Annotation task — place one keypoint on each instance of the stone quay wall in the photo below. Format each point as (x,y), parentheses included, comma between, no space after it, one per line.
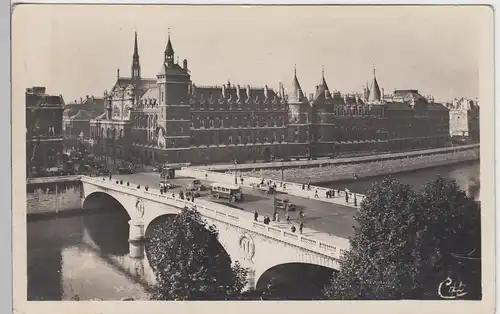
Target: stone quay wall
(53,195)
(363,167)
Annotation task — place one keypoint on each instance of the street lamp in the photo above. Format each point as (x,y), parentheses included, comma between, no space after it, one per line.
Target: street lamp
(235,172)
(282,171)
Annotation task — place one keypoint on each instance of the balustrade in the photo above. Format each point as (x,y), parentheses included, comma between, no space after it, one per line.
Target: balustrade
(220,212)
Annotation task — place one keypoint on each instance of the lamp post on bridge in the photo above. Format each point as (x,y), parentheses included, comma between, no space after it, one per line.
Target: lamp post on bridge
(235,172)
(282,171)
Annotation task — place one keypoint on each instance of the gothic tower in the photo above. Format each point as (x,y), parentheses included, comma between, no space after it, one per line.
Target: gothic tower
(173,84)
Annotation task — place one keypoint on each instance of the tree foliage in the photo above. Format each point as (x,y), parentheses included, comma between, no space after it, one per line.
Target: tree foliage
(189,262)
(404,243)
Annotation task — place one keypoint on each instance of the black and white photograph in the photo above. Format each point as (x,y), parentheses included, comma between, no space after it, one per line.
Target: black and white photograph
(253,153)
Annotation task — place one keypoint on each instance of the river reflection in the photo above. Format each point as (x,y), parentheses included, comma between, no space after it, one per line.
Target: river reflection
(64,262)
(87,256)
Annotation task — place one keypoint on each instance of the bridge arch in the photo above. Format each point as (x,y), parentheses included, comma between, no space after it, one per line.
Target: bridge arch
(294,281)
(107,223)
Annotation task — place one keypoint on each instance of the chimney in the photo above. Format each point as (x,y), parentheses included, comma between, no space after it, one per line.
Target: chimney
(223,91)
(87,96)
(238,97)
(185,64)
(81,99)
(265,91)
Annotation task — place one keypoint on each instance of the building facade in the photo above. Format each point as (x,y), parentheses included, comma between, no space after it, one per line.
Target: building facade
(76,120)
(44,138)
(464,120)
(169,119)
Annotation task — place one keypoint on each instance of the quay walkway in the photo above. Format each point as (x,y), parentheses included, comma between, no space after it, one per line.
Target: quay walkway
(337,161)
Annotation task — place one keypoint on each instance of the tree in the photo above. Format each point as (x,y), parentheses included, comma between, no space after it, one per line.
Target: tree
(189,262)
(405,241)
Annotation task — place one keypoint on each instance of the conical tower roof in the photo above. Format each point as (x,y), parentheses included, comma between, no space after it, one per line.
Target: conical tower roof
(298,94)
(323,86)
(375,94)
(169,50)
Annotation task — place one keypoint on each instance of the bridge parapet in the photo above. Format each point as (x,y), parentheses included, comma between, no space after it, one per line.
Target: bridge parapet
(230,216)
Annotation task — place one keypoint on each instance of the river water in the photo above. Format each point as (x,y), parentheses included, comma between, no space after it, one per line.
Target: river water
(82,256)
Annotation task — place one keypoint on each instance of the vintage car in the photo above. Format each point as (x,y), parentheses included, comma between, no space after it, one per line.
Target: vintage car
(283,204)
(196,185)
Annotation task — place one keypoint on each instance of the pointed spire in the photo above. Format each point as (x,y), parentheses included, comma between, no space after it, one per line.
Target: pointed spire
(169,51)
(136,66)
(323,80)
(375,94)
(136,49)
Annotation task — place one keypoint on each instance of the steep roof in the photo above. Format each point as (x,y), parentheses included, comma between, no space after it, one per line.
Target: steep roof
(82,114)
(374,94)
(43,100)
(297,95)
(205,92)
(169,50)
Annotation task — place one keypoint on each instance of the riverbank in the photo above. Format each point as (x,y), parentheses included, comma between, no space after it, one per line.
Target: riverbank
(328,171)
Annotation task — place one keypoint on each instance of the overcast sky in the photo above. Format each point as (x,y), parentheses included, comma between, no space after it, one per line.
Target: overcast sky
(75,50)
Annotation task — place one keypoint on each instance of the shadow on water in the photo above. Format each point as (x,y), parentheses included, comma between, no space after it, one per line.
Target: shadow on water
(109,230)
(49,239)
(294,281)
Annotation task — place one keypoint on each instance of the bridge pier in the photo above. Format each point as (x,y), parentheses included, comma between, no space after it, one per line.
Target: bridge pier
(136,239)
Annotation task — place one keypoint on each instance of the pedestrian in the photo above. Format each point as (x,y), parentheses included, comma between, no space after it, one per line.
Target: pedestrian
(206,176)
(301,214)
(303,186)
(128,183)
(284,186)
(255,215)
(327,194)
(110,177)
(193,198)
(333,193)
(309,186)
(346,197)
(287,218)
(241,180)
(276,217)
(316,193)
(301,227)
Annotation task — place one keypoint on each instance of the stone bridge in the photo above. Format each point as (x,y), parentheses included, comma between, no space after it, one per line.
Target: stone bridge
(256,246)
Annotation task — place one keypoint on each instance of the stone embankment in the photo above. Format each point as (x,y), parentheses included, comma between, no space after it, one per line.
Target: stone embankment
(341,171)
(53,195)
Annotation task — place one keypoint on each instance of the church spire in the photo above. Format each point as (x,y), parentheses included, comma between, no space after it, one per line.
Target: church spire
(136,65)
(375,94)
(169,51)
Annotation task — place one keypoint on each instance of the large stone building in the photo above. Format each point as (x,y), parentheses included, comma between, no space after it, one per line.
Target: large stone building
(44,139)
(464,120)
(171,119)
(76,119)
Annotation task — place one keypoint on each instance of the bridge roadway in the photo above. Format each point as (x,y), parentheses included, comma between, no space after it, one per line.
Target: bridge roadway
(321,218)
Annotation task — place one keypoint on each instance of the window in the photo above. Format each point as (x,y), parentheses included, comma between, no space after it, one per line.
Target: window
(182,130)
(230,140)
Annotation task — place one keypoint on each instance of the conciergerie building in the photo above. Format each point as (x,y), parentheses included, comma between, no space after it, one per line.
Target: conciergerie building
(169,119)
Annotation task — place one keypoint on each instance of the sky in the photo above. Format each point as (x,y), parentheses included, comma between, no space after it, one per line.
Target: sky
(76,50)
